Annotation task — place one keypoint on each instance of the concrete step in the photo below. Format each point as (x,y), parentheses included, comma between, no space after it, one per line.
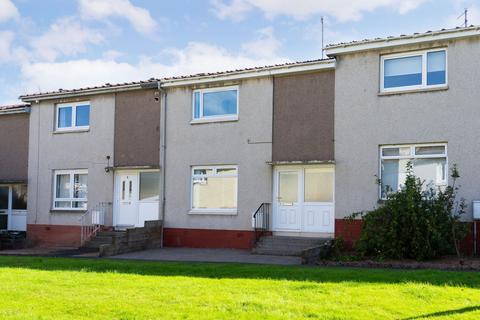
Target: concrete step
(277,252)
(286,246)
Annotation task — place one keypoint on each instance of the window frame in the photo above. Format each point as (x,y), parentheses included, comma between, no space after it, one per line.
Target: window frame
(72,174)
(421,86)
(225,211)
(412,156)
(74,106)
(227,117)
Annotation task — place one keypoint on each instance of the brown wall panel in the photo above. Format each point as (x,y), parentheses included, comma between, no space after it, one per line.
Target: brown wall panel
(303,117)
(14,147)
(137,129)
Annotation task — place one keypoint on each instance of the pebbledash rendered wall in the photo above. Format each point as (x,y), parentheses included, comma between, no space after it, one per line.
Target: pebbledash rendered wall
(220,143)
(364,119)
(49,151)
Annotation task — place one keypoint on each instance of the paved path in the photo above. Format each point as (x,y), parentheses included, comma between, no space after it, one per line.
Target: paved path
(208,255)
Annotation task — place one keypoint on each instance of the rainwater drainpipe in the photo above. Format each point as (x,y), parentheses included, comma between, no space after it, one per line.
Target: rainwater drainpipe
(163,151)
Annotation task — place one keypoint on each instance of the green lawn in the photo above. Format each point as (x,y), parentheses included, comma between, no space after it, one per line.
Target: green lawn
(57,288)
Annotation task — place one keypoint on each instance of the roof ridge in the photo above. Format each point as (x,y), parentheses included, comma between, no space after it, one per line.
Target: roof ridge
(401,36)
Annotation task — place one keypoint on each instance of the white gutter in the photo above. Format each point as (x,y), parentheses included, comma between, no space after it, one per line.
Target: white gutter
(87,92)
(15,111)
(335,50)
(247,74)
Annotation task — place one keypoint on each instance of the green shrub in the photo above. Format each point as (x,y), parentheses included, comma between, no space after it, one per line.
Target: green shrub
(414,223)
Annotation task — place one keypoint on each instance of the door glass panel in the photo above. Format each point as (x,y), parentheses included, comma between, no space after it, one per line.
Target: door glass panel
(123,190)
(318,185)
(150,186)
(288,186)
(19,197)
(130,187)
(3,198)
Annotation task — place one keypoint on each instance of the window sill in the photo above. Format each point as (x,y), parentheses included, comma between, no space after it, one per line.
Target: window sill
(212,120)
(71,131)
(214,212)
(67,211)
(391,93)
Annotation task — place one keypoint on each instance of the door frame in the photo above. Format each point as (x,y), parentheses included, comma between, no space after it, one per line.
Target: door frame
(300,168)
(117,192)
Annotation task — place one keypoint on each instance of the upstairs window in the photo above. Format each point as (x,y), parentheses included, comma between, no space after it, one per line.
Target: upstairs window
(215,104)
(429,164)
(73,116)
(419,70)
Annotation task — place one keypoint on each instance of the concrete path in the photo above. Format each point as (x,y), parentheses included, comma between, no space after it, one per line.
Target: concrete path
(208,255)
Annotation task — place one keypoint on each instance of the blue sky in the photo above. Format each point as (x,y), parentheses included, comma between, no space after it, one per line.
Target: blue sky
(51,44)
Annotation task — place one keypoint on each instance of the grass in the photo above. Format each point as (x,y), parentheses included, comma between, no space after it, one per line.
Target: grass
(58,288)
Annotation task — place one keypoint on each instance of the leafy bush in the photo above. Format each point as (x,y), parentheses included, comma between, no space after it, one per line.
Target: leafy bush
(414,223)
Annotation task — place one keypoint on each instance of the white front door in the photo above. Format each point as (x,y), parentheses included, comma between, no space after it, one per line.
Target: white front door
(127,200)
(287,204)
(136,198)
(304,199)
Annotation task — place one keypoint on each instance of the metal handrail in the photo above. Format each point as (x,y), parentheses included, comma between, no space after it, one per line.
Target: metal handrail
(261,220)
(92,221)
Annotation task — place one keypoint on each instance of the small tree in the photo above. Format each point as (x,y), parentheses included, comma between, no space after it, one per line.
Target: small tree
(414,222)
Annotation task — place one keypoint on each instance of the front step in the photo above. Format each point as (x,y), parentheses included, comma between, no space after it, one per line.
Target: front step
(109,243)
(105,237)
(286,246)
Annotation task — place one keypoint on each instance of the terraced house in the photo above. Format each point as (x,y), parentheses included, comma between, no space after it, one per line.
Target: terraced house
(285,151)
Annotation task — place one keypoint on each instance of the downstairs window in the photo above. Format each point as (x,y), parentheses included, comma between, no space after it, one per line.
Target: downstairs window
(214,188)
(429,164)
(70,190)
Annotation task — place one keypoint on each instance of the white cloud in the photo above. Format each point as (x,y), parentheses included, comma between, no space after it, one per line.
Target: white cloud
(196,57)
(6,39)
(66,36)
(235,10)
(343,10)
(265,46)
(139,18)
(8,10)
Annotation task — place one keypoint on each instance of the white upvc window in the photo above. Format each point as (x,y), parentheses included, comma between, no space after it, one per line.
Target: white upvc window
(72,116)
(70,190)
(215,104)
(429,161)
(413,70)
(214,189)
